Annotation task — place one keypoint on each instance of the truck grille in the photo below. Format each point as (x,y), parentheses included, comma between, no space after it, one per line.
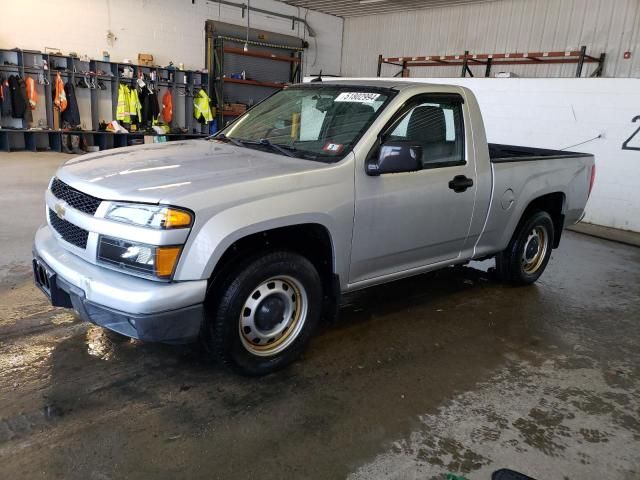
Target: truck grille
(68,231)
(78,200)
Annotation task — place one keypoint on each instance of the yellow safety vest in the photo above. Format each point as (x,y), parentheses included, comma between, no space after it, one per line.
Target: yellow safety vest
(135,107)
(201,106)
(122,110)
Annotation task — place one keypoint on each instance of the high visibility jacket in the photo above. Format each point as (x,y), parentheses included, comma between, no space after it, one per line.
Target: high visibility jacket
(32,95)
(201,108)
(60,99)
(167,107)
(123,112)
(135,107)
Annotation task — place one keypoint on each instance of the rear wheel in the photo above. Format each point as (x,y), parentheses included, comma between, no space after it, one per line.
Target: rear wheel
(265,313)
(528,252)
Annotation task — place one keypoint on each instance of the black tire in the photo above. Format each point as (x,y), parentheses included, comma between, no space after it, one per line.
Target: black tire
(295,281)
(517,267)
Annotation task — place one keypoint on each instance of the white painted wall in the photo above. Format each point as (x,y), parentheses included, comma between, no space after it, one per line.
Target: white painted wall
(561,112)
(168,29)
(504,26)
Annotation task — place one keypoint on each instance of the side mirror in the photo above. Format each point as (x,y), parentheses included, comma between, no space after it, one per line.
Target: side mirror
(396,157)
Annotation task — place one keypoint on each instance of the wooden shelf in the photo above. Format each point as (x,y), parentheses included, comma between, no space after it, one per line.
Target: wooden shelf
(103,139)
(467,60)
(99,132)
(224,54)
(254,82)
(256,54)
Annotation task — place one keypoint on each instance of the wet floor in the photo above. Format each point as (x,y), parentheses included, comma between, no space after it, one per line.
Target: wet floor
(446,372)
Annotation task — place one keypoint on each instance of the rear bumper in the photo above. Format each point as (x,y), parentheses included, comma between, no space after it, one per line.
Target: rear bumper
(135,307)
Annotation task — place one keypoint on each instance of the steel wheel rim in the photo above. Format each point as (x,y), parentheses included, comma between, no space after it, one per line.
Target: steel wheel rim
(260,331)
(535,249)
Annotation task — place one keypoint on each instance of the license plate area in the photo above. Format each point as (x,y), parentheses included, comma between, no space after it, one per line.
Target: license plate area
(47,281)
(43,277)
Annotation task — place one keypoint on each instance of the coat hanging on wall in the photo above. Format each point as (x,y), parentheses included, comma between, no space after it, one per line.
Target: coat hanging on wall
(71,115)
(5,98)
(18,97)
(60,99)
(167,107)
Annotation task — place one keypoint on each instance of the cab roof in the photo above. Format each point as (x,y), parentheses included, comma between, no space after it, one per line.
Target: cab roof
(388,83)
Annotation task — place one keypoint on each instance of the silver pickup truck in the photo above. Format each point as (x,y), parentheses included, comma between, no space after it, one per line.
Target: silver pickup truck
(247,239)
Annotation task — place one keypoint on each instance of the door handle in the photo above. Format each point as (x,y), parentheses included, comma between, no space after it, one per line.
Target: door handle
(460,183)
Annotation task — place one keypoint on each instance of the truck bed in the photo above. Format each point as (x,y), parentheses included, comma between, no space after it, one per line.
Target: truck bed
(500,153)
(519,176)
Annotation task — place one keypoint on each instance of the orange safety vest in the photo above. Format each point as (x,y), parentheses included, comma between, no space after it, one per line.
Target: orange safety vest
(60,100)
(32,94)
(167,107)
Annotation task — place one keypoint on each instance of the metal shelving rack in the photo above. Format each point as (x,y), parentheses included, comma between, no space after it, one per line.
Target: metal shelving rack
(466,60)
(45,137)
(270,60)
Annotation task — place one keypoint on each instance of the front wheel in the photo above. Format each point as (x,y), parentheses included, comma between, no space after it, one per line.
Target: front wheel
(528,252)
(265,313)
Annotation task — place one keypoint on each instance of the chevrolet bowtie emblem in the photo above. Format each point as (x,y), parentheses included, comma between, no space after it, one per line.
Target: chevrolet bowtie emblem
(59,209)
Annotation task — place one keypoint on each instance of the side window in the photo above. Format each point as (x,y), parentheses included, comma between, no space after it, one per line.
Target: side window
(438,126)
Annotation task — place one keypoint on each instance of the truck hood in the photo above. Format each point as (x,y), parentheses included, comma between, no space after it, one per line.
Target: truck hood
(168,172)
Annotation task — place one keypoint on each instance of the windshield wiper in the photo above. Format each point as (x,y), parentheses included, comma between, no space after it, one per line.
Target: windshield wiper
(288,151)
(222,136)
(283,149)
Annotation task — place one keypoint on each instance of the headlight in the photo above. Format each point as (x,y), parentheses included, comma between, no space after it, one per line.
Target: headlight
(151,216)
(139,258)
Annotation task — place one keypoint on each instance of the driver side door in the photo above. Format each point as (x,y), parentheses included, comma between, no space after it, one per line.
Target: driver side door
(404,221)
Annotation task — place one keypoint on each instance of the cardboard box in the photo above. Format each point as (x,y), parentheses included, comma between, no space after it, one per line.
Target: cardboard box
(145,59)
(234,108)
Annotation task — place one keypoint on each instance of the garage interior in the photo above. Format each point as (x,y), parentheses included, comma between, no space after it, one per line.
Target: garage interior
(449,374)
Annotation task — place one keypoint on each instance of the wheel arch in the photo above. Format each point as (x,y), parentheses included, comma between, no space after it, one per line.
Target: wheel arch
(554,204)
(313,240)
(310,239)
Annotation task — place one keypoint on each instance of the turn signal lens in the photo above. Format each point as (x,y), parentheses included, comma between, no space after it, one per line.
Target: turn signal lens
(150,216)
(177,218)
(138,258)
(166,259)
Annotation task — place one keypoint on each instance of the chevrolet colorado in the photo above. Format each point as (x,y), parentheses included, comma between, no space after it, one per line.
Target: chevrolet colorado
(246,239)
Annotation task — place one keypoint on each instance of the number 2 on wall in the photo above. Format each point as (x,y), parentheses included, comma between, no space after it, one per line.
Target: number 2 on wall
(625,145)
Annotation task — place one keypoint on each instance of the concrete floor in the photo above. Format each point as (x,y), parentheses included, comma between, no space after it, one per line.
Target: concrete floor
(447,372)
(23,180)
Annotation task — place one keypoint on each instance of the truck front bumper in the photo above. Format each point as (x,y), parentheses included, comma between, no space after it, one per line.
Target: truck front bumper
(135,307)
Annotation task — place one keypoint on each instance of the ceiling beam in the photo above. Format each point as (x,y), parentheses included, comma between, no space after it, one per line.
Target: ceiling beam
(353,8)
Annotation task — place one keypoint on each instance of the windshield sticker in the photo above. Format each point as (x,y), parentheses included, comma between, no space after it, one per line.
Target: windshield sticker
(357,97)
(333,147)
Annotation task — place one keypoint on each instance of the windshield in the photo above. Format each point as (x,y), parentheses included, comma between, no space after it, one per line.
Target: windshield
(318,123)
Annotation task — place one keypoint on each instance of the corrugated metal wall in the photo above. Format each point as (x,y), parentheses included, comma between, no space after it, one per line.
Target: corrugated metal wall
(503,26)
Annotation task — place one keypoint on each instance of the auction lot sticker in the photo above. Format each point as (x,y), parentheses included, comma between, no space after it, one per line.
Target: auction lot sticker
(333,147)
(357,97)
